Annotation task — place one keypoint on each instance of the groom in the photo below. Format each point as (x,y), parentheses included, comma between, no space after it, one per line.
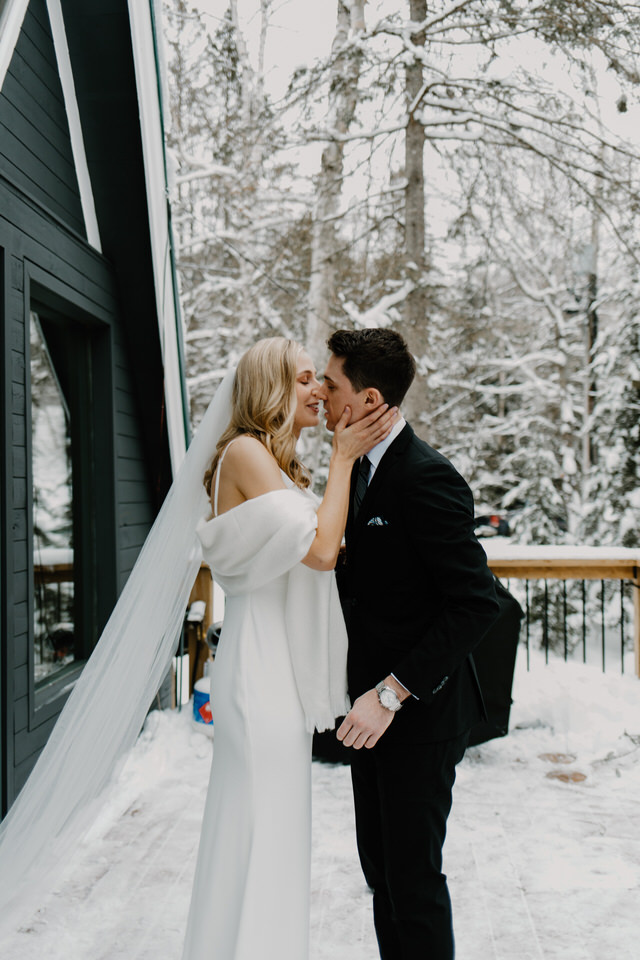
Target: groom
(417,597)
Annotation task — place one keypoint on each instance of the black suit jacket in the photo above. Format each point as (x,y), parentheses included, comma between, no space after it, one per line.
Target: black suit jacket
(416,591)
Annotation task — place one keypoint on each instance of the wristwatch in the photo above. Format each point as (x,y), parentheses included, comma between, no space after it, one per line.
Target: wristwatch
(388,697)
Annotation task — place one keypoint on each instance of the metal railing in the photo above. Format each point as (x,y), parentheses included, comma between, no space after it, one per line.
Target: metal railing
(597,595)
(53,615)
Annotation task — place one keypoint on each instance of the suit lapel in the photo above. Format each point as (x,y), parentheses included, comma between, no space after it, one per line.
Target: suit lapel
(396,449)
(354,480)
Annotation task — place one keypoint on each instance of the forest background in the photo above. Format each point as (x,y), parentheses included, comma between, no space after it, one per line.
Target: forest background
(466,172)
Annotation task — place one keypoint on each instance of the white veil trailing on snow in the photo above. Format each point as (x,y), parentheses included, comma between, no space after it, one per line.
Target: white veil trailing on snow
(108,705)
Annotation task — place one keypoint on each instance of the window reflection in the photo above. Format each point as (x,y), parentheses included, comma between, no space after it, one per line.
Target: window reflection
(54,617)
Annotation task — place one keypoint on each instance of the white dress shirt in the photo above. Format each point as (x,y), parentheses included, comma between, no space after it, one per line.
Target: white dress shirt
(376,454)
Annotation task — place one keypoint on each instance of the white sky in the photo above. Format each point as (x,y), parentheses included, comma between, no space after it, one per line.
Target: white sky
(301,31)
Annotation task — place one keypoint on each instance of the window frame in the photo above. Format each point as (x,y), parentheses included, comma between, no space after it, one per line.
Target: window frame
(55,340)
(93,471)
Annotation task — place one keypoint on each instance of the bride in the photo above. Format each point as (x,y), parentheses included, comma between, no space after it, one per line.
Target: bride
(280,665)
(280,670)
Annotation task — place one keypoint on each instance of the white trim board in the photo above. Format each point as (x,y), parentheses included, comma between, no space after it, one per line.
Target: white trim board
(11,16)
(144,55)
(75,126)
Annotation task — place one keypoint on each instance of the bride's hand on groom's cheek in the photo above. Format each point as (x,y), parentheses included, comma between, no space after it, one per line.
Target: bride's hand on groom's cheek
(365,723)
(358,437)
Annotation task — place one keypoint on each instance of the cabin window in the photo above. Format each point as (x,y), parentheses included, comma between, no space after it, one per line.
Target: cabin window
(54,627)
(62,515)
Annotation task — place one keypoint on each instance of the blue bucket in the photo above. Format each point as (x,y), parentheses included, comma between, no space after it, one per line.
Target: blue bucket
(202,716)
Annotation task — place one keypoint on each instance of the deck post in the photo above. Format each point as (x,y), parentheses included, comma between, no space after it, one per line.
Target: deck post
(636,618)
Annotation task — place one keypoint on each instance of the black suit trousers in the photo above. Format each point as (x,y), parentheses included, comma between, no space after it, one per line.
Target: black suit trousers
(403,795)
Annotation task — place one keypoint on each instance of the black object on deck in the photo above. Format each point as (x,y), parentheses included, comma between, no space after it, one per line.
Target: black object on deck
(495,659)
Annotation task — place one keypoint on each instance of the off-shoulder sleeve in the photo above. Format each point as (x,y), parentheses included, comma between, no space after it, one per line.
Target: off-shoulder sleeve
(259,540)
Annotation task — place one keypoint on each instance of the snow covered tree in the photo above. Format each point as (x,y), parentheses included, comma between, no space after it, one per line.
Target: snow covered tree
(514,360)
(612,501)
(232,197)
(469,193)
(344,72)
(443,76)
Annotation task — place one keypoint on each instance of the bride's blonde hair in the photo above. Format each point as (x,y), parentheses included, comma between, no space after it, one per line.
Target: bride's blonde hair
(264,405)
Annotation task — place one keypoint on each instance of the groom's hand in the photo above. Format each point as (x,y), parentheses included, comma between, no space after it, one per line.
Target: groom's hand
(365,723)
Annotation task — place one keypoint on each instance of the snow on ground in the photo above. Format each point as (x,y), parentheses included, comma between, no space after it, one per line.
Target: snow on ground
(543,852)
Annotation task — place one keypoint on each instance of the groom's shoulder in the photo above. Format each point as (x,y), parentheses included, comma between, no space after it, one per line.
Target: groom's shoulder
(419,452)
(424,464)
(427,477)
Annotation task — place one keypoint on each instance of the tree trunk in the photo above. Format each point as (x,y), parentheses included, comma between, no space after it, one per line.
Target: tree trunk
(343,98)
(591,335)
(415,309)
(252,164)
(589,452)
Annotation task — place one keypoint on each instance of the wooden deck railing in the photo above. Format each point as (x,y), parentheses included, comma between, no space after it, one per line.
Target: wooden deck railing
(513,561)
(508,561)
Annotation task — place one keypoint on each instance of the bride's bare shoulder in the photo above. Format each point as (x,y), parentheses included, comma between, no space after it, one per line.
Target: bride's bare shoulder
(245,449)
(249,463)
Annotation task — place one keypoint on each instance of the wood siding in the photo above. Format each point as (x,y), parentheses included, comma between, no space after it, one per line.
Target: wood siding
(45,258)
(39,251)
(35,148)
(41,244)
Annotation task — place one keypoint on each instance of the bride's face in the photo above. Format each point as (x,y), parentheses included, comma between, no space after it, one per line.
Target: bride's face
(307,386)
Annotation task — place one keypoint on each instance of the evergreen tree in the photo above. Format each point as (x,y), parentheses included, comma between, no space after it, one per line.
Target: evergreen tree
(612,502)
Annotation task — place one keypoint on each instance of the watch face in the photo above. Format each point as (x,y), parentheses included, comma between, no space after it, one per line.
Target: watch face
(388,699)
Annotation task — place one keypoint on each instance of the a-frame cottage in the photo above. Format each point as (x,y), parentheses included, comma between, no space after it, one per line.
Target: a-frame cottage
(93,403)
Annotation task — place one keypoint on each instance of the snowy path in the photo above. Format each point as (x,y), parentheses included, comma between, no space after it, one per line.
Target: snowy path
(538,868)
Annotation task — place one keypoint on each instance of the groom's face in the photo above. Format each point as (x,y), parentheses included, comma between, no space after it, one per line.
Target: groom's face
(337,392)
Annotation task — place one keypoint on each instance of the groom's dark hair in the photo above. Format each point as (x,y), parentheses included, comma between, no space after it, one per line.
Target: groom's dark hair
(375,358)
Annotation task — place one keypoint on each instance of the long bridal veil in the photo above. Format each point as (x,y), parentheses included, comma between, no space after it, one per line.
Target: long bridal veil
(107,707)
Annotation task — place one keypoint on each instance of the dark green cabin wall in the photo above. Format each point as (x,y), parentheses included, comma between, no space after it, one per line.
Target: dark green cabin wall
(41,228)
(35,148)
(99,38)
(28,237)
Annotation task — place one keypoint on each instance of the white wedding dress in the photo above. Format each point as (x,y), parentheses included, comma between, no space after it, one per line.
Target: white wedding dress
(280,673)
(250,898)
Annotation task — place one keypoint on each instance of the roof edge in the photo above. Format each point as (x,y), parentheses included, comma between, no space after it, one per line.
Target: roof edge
(148,82)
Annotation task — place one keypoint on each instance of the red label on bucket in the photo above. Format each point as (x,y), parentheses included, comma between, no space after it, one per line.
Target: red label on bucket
(202,702)
(205,712)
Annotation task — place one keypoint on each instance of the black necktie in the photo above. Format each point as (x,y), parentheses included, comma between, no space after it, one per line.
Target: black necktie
(361,484)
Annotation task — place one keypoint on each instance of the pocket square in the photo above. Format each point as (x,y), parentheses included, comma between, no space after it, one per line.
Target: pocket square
(378,522)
